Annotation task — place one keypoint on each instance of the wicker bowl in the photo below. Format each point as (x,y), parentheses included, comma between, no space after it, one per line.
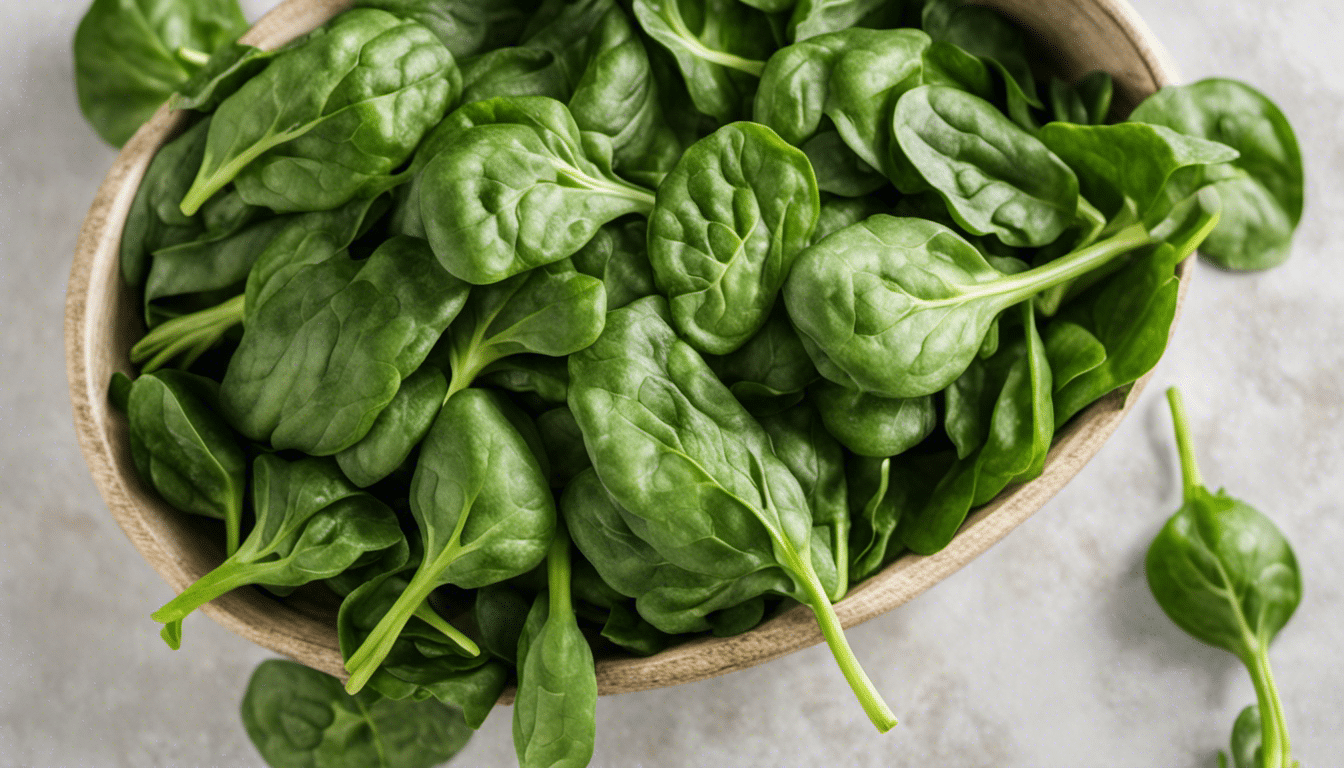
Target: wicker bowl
(102,321)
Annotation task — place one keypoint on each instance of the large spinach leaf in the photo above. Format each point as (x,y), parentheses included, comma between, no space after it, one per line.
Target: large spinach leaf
(727,224)
(695,472)
(328,120)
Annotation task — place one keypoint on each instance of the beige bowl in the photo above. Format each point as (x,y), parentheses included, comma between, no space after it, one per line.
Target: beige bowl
(102,321)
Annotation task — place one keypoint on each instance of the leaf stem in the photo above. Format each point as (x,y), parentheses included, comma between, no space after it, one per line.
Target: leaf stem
(558,572)
(1190,477)
(1024,285)
(1274,744)
(427,614)
(230,575)
(193,57)
(872,702)
(186,334)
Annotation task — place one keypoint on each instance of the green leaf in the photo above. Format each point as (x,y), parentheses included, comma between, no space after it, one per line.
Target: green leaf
(228,68)
(817,17)
(127,61)
(995,177)
(327,120)
(1086,101)
(1262,198)
(618,255)
(465,27)
(561,189)
(300,718)
(728,222)
(874,426)
(397,429)
(378,317)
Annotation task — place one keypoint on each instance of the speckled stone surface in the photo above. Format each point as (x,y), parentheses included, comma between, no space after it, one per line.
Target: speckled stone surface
(1046,652)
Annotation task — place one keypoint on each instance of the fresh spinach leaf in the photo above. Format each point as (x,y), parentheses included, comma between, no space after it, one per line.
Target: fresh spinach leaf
(1262,188)
(1224,573)
(618,255)
(465,27)
(513,71)
(1086,101)
(555,711)
(328,120)
(301,718)
(131,55)
(727,224)
(869,425)
(184,449)
(228,68)
(770,364)
(817,17)
(397,429)
(541,375)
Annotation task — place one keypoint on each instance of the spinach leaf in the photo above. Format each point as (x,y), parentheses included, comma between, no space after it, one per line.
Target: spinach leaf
(727,224)
(840,171)
(995,177)
(771,363)
(618,255)
(184,450)
(397,429)
(300,718)
(552,311)
(507,196)
(544,376)
(378,317)
(563,440)
(328,120)
(513,71)
(484,510)
(869,425)
(695,473)
(632,633)
(465,27)
(1262,188)
(1247,736)
(839,212)
(500,611)
(1013,450)
(1224,573)
(311,524)
(208,264)
(720,46)
(130,55)
(989,35)
(899,307)
(610,86)
(1085,102)
(799,438)
(554,714)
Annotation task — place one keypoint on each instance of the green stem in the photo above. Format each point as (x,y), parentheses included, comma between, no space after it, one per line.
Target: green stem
(196,331)
(1190,477)
(227,577)
(1023,285)
(370,654)
(871,701)
(840,545)
(193,57)
(701,51)
(208,183)
(558,572)
(427,614)
(1274,745)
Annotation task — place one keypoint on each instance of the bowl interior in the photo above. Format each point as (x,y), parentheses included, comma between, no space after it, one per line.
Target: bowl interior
(103,320)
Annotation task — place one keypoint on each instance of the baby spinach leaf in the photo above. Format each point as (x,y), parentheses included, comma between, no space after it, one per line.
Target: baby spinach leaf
(560,189)
(840,171)
(397,429)
(311,524)
(632,633)
(513,71)
(1247,736)
(1262,188)
(874,426)
(552,311)
(563,440)
(771,363)
(995,177)
(301,718)
(130,55)
(989,35)
(728,222)
(720,46)
(208,264)
(694,471)
(183,448)
(546,377)
(328,120)
(554,714)
(839,212)
(817,17)
(618,256)
(465,27)
(1224,573)
(500,611)
(484,510)
(899,307)
(379,317)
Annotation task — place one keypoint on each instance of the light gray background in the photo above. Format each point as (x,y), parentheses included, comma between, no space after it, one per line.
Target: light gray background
(1047,651)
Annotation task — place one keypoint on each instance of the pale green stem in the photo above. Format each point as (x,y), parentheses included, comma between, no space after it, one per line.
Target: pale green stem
(226,578)
(186,334)
(1190,478)
(557,571)
(193,57)
(1274,745)
(1026,284)
(427,614)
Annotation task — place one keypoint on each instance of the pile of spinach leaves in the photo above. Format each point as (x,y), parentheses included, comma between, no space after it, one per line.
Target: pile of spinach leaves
(746,299)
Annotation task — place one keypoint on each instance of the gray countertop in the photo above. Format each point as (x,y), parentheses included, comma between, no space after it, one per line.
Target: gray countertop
(1046,651)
